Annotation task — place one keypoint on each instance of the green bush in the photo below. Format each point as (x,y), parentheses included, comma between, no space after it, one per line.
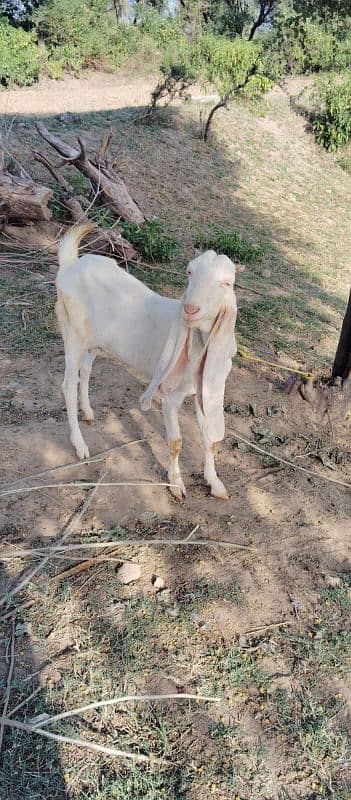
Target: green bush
(301,46)
(76,33)
(151,240)
(19,56)
(332,126)
(230,243)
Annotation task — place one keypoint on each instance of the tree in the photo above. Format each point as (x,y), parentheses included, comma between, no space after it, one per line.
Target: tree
(342,361)
(265,14)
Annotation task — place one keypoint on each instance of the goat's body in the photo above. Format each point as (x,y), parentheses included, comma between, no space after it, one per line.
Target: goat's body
(116,313)
(101,307)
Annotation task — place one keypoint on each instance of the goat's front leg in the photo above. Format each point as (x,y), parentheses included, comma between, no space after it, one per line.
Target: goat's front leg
(70,391)
(217,487)
(170,406)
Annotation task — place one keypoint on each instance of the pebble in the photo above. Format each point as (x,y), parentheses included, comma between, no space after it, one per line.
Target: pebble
(158,582)
(128,572)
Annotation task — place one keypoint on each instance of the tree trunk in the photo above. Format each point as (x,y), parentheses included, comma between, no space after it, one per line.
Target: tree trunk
(22,200)
(110,189)
(342,361)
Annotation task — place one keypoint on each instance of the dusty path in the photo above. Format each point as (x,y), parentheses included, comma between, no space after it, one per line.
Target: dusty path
(95,91)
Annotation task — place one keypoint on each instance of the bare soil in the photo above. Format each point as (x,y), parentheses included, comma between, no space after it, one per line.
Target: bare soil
(295,528)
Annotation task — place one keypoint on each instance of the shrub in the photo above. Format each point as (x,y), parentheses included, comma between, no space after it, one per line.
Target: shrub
(231,244)
(151,240)
(76,32)
(332,126)
(19,56)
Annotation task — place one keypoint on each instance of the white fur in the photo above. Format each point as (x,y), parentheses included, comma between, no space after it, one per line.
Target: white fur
(100,307)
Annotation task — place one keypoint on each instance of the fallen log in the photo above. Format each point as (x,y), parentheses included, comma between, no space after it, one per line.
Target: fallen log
(23,200)
(110,189)
(102,240)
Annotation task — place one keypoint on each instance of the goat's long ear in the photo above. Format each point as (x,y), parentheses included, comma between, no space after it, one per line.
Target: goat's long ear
(213,370)
(173,361)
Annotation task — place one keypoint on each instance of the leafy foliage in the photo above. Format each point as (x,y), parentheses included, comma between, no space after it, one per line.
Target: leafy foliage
(19,56)
(333,125)
(231,244)
(151,240)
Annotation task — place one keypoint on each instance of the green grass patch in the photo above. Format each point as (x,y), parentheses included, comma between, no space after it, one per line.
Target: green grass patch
(151,240)
(230,243)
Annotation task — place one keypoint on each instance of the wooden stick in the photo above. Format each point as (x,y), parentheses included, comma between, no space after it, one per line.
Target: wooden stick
(98,457)
(17,610)
(65,533)
(82,567)
(38,551)
(96,748)
(79,485)
(290,464)
(143,698)
(269,625)
(24,702)
(8,683)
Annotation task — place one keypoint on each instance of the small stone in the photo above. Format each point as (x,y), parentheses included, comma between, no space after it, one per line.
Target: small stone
(332,581)
(158,582)
(266,273)
(173,612)
(128,572)
(164,596)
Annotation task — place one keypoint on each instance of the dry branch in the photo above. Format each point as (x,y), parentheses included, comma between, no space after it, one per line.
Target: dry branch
(78,742)
(8,683)
(22,200)
(65,533)
(105,181)
(102,239)
(113,701)
(92,460)
(70,548)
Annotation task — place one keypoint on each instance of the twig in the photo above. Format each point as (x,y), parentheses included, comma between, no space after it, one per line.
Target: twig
(66,532)
(192,532)
(129,542)
(97,748)
(79,485)
(82,567)
(8,683)
(11,614)
(143,698)
(290,464)
(25,701)
(269,625)
(98,457)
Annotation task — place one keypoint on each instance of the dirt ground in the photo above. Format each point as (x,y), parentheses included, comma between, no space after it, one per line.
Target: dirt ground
(288,567)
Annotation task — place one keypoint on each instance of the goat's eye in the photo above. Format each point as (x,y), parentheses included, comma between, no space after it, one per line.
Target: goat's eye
(189,272)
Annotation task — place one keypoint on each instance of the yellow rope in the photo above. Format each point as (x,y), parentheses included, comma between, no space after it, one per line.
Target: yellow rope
(249,357)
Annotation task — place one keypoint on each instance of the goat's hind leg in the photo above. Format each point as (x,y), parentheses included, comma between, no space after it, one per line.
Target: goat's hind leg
(73,355)
(170,406)
(217,487)
(86,364)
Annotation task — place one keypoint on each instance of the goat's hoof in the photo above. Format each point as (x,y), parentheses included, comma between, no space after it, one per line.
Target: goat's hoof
(219,491)
(178,492)
(81,450)
(88,416)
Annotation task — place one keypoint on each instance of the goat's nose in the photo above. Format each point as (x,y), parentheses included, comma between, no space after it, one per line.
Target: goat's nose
(190,310)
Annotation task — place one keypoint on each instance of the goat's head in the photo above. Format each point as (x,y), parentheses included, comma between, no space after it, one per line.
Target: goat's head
(209,290)
(209,305)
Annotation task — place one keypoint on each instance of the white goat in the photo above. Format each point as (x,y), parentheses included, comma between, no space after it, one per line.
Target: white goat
(184,346)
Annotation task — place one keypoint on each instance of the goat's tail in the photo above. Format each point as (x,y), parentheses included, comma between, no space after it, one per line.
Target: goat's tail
(68,246)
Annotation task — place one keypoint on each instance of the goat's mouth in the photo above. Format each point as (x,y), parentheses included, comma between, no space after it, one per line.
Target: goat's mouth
(191,321)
